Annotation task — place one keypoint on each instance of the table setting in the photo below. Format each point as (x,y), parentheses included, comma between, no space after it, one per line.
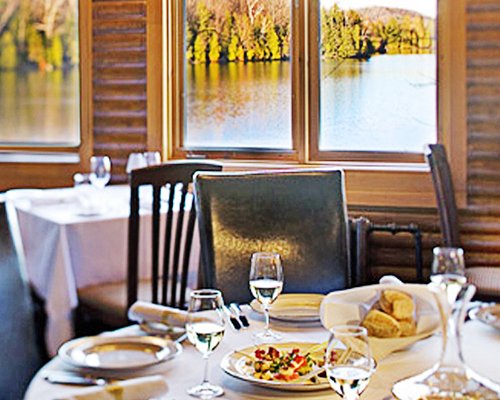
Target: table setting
(250,352)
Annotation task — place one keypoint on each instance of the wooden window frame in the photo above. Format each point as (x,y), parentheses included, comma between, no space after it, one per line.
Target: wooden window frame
(42,173)
(378,179)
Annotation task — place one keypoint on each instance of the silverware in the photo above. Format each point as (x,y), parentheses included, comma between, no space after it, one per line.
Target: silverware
(235,323)
(68,378)
(235,307)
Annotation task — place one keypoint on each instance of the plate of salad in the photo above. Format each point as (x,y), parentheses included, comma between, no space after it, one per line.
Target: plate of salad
(294,366)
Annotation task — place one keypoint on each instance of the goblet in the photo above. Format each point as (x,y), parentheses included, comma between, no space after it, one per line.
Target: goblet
(101,171)
(348,361)
(152,158)
(266,283)
(449,378)
(205,329)
(135,161)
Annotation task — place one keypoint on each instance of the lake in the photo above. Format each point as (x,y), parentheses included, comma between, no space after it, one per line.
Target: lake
(387,104)
(40,108)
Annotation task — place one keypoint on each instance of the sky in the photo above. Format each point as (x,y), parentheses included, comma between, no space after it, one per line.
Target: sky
(425,7)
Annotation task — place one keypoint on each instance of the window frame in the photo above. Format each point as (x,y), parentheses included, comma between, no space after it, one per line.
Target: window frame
(44,171)
(379,179)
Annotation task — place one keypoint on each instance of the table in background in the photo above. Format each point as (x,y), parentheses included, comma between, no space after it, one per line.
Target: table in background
(481,350)
(61,250)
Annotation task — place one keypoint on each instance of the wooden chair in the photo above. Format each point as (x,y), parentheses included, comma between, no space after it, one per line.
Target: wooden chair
(299,214)
(111,301)
(486,279)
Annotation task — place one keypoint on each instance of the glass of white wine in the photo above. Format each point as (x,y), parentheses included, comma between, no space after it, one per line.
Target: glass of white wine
(266,283)
(348,361)
(205,328)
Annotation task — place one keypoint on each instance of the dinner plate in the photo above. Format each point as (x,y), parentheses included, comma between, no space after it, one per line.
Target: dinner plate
(237,365)
(293,307)
(490,315)
(118,353)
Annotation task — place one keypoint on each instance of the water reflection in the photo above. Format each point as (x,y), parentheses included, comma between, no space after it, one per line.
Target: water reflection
(40,107)
(239,105)
(386,104)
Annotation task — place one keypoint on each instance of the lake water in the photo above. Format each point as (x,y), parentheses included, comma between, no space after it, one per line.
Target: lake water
(39,108)
(387,103)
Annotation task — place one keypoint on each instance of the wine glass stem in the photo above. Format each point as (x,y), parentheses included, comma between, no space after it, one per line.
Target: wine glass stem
(205,370)
(266,314)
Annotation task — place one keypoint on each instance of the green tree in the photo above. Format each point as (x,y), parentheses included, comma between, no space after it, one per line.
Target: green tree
(214,48)
(8,51)
(55,52)
(273,44)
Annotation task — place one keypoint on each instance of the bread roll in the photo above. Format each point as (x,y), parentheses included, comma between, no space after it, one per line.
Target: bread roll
(397,304)
(408,327)
(381,325)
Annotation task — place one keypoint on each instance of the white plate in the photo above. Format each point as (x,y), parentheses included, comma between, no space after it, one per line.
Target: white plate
(293,307)
(490,315)
(235,365)
(118,353)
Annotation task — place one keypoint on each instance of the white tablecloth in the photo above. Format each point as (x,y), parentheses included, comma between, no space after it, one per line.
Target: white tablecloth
(481,351)
(62,251)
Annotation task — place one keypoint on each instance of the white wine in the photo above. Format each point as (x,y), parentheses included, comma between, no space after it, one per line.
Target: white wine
(266,290)
(205,336)
(348,381)
(451,283)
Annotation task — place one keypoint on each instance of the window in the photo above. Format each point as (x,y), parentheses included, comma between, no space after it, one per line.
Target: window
(390,172)
(371,79)
(39,73)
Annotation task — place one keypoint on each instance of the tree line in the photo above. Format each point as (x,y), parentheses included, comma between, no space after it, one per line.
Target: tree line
(38,34)
(257,30)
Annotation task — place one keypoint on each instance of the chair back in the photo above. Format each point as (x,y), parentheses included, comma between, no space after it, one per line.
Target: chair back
(299,214)
(445,194)
(175,178)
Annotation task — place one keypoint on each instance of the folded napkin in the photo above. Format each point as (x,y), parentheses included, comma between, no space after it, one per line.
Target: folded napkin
(143,388)
(350,307)
(142,311)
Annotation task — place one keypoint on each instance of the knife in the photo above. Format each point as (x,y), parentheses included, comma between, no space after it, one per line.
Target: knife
(67,378)
(232,319)
(242,317)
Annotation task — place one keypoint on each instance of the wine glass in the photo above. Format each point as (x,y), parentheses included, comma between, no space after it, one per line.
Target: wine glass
(449,377)
(266,283)
(152,158)
(101,171)
(448,271)
(348,361)
(205,329)
(135,161)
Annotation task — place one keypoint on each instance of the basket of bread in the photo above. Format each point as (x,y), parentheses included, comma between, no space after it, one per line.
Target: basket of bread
(395,315)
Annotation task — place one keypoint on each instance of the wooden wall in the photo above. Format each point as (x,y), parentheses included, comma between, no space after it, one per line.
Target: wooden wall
(120,126)
(119,80)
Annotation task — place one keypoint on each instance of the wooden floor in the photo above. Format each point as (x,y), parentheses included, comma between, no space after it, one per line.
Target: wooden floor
(19,357)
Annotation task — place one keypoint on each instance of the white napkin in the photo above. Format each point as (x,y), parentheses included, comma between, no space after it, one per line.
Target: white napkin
(350,307)
(142,311)
(143,388)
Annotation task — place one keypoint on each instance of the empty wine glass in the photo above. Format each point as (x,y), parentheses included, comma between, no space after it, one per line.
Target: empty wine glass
(135,161)
(152,158)
(205,329)
(449,378)
(266,283)
(348,361)
(101,171)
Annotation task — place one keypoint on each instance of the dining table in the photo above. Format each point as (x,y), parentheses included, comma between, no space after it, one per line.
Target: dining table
(70,238)
(481,348)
